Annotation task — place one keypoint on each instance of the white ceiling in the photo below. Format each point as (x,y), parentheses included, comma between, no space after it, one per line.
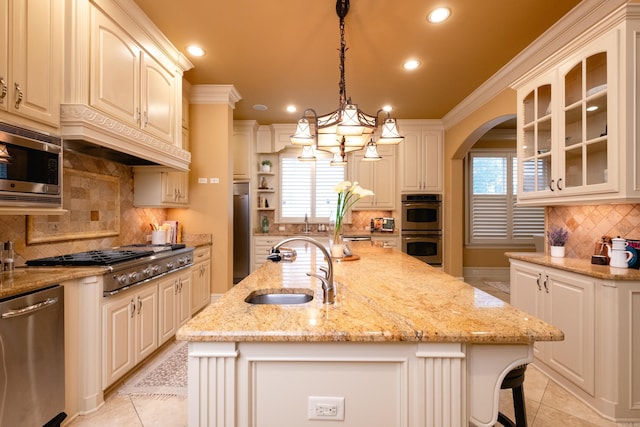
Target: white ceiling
(281,52)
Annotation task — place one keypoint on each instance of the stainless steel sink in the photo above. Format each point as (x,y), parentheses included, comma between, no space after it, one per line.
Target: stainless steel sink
(279,297)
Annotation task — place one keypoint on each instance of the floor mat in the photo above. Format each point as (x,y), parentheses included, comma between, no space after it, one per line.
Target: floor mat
(165,376)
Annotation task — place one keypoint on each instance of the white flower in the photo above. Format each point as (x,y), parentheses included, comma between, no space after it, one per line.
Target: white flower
(348,194)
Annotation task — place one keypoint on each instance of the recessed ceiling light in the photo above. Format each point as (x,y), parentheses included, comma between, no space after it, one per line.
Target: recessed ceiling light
(291,108)
(195,50)
(260,107)
(438,15)
(411,64)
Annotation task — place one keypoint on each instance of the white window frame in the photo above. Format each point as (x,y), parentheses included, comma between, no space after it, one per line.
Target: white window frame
(511,209)
(312,216)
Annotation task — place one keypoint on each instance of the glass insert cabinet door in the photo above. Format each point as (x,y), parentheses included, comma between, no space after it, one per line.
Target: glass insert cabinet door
(564,135)
(585,144)
(536,149)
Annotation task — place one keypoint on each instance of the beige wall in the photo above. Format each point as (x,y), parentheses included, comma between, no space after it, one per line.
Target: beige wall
(459,138)
(211,205)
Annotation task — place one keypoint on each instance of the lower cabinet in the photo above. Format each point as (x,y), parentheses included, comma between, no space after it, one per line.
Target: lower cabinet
(261,247)
(174,299)
(567,301)
(201,279)
(386,241)
(137,321)
(130,331)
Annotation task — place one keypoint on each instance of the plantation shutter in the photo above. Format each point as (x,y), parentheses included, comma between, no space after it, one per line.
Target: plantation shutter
(308,188)
(493,217)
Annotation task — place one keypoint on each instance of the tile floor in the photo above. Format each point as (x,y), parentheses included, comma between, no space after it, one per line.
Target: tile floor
(547,403)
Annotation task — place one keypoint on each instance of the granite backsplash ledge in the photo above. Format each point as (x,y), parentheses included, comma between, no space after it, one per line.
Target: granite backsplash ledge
(587,224)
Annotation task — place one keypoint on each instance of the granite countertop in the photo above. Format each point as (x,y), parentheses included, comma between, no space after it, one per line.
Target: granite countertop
(577,265)
(27,279)
(386,295)
(318,234)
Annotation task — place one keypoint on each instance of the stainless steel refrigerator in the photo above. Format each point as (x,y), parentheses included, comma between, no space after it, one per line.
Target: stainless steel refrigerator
(241,230)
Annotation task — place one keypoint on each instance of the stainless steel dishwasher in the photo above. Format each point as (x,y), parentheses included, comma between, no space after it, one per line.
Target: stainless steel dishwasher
(32,359)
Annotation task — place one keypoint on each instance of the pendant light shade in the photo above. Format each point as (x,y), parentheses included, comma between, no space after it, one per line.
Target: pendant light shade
(371,153)
(308,155)
(389,133)
(303,133)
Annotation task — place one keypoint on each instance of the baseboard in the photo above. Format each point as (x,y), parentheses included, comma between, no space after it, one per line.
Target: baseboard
(500,273)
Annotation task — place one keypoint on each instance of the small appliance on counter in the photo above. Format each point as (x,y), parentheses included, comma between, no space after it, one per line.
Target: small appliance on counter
(382,224)
(617,252)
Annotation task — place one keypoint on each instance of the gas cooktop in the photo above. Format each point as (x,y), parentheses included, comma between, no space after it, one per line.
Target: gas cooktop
(103,256)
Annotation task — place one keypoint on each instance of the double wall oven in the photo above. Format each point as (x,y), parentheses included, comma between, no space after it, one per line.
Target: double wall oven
(421,231)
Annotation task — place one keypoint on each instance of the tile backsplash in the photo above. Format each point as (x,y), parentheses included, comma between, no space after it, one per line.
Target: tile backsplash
(587,224)
(134,222)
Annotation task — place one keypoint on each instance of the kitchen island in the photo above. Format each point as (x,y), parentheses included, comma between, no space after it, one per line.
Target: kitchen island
(404,345)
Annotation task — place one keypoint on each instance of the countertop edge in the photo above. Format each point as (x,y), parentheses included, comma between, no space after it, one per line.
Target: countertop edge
(577,265)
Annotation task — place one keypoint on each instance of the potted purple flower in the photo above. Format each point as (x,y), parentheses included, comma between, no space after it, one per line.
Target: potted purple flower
(557,237)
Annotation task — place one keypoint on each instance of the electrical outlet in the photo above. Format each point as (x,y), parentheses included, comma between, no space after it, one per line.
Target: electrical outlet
(325,408)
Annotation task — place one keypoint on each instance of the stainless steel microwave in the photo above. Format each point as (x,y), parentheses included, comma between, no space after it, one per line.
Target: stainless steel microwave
(30,168)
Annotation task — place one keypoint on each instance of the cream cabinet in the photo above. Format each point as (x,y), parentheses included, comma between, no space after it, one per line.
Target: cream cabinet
(130,330)
(200,279)
(576,142)
(160,187)
(378,176)
(31,59)
(261,247)
(567,301)
(598,360)
(385,240)
(420,163)
(129,84)
(174,302)
(243,141)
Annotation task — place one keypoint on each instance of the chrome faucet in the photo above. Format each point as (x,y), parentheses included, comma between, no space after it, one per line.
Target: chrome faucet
(328,288)
(306,224)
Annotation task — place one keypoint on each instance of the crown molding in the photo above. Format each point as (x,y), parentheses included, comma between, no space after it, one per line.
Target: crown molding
(582,18)
(214,94)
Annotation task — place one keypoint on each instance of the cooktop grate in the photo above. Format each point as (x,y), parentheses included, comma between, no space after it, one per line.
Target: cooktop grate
(91,258)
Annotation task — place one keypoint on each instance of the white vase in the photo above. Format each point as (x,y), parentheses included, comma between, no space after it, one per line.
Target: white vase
(557,251)
(337,250)
(266,168)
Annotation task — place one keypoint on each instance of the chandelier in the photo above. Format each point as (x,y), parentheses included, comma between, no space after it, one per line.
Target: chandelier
(348,128)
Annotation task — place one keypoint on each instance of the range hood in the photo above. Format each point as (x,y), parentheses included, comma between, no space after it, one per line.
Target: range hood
(88,131)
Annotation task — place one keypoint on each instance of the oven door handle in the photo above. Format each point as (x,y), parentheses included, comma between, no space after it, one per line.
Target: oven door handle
(420,237)
(421,204)
(29,309)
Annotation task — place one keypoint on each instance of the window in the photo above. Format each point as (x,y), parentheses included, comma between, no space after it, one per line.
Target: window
(492,215)
(308,188)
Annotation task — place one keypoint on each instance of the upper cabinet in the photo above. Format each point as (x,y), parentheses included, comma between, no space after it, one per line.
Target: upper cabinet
(125,78)
(130,84)
(421,156)
(244,132)
(31,61)
(576,135)
(377,176)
